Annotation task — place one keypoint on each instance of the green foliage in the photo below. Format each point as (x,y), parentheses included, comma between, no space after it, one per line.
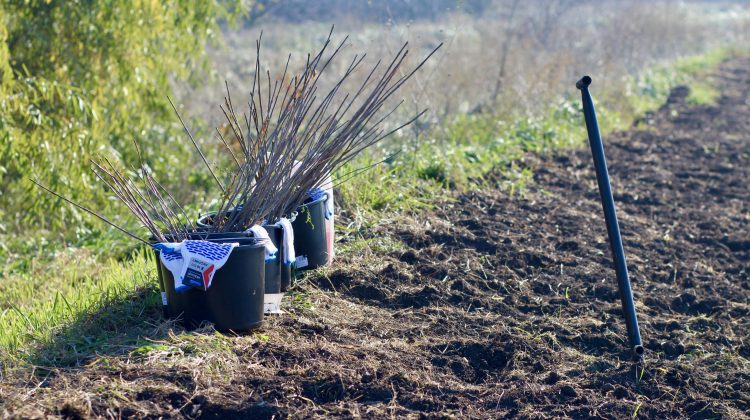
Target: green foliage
(650,88)
(81,78)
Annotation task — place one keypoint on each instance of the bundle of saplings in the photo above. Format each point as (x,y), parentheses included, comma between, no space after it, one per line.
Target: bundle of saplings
(282,151)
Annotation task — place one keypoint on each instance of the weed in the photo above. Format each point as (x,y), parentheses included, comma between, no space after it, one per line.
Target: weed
(637,408)
(702,93)
(148,348)
(435,171)
(300,301)
(639,376)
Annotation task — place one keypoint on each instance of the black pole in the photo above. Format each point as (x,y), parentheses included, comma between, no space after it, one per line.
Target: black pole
(610,216)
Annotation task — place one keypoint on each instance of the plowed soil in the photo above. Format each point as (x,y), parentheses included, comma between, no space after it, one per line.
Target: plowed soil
(492,306)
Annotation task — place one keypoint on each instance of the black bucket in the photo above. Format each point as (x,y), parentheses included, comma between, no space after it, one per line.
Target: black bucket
(234,302)
(171,306)
(313,235)
(286,274)
(162,290)
(278,274)
(274,267)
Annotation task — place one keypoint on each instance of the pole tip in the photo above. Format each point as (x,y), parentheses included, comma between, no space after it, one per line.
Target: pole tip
(584,82)
(639,350)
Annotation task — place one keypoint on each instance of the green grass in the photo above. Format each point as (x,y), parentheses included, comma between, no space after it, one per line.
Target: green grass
(650,89)
(61,307)
(378,245)
(75,307)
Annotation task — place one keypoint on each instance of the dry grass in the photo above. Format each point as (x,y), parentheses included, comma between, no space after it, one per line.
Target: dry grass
(513,59)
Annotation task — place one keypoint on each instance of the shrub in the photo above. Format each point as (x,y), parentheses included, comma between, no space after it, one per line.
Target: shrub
(81,78)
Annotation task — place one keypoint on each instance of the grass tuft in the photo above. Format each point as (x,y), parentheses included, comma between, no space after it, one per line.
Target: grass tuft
(65,315)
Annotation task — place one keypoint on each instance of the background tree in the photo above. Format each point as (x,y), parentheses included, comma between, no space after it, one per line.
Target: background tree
(82,77)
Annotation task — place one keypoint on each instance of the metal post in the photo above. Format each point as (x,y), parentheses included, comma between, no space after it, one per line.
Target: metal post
(610,216)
